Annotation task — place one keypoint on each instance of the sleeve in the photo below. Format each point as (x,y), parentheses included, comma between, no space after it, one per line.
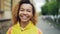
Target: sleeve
(9,30)
(39,31)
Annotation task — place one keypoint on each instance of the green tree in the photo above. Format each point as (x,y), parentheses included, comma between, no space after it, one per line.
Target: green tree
(50,8)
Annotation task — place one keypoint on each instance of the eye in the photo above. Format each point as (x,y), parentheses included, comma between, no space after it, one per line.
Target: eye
(29,11)
(21,10)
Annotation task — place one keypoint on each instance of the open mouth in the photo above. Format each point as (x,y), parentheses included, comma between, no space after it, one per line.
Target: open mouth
(24,17)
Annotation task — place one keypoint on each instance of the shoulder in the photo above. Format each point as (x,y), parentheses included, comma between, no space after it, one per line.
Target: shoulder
(9,30)
(39,31)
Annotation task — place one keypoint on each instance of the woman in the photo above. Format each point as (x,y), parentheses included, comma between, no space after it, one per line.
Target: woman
(24,19)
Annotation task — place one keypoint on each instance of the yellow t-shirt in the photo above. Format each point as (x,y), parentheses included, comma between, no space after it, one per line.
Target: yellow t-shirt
(29,29)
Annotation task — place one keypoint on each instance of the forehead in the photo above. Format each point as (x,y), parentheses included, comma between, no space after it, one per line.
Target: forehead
(26,6)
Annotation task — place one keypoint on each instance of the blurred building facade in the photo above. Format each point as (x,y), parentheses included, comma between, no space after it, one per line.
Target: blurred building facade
(5,9)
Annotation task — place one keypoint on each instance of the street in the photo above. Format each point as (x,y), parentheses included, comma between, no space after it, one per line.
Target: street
(46,27)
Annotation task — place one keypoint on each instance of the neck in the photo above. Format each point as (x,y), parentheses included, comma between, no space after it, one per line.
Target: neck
(24,24)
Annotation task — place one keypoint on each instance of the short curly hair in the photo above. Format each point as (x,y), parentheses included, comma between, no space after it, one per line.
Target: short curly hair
(15,12)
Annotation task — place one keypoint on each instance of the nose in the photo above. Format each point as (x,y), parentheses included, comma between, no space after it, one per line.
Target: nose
(25,12)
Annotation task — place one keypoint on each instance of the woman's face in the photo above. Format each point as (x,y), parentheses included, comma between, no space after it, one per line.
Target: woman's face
(25,12)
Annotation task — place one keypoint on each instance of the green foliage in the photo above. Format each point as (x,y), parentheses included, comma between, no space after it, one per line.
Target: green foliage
(50,8)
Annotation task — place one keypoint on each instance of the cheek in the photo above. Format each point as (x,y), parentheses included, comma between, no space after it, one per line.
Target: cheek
(20,12)
(30,14)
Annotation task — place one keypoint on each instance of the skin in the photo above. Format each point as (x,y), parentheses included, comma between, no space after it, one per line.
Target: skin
(25,14)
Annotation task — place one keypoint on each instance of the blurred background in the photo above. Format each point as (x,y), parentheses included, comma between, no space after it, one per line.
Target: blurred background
(48,12)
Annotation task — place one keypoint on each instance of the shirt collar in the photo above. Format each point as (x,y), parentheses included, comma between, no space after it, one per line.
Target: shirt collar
(30,25)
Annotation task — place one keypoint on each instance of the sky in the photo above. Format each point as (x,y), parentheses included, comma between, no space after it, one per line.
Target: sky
(39,4)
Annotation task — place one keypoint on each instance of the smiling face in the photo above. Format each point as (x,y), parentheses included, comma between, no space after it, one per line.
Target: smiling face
(25,12)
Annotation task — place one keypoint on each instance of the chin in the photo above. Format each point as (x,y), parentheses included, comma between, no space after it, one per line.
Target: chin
(24,20)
